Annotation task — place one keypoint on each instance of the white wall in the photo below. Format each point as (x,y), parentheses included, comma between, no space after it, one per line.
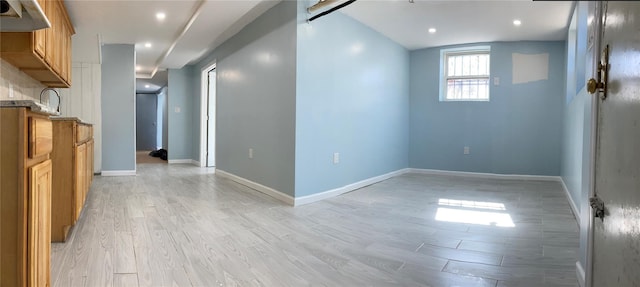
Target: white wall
(82,101)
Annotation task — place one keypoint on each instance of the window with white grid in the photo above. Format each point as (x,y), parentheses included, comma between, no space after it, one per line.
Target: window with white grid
(465,74)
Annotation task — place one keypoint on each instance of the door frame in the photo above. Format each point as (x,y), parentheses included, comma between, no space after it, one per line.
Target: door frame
(204,96)
(155,101)
(595,105)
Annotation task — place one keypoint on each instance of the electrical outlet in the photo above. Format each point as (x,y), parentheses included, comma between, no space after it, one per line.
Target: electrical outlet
(250,153)
(336,158)
(467,150)
(10,90)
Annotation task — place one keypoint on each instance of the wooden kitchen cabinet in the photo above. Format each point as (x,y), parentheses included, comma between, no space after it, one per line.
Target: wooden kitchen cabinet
(25,193)
(40,36)
(72,158)
(44,54)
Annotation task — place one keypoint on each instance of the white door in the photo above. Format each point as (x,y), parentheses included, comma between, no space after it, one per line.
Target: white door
(211,118)
(616,236)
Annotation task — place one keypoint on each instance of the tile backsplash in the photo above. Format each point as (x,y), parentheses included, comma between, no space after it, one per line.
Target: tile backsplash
(24,87)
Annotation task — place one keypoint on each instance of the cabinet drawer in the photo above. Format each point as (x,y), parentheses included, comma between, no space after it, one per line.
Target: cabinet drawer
(83,133)
(40,137)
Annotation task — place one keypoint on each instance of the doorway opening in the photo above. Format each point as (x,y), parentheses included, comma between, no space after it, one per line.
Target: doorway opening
(208,118)
(151,126)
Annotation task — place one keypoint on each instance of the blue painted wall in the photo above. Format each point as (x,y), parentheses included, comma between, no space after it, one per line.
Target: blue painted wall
(519,131)
(118,107)
(181,131)
(256,78)
(352,98)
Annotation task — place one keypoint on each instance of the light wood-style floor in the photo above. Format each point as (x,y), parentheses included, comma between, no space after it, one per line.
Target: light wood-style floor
(142,156)
(176,225)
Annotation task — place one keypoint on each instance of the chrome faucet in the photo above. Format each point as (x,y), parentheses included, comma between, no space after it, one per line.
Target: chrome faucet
(57,95)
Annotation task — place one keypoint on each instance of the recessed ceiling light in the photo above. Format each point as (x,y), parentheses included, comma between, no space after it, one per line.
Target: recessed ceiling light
(432,30)
(148,45)
(517,22)
(147,86)
(160,16)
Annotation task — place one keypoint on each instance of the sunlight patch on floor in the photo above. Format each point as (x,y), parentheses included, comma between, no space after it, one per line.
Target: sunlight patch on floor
(473,212)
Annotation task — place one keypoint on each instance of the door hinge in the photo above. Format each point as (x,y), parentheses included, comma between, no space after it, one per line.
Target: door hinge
(598,207)
(600,85)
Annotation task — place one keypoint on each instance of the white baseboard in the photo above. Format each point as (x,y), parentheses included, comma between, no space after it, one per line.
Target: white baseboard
(195,162)
(580,274)
(288,199)
(309,198)
(180,161)
(297,201)
(347,188)
(118,173)
(485,175)
(574,207)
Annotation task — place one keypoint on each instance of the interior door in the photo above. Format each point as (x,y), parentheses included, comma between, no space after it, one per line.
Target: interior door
(146,125)
(616,236)
(211,119)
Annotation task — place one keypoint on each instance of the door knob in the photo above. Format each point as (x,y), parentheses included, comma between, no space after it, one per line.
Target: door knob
(600,84)
(593,86)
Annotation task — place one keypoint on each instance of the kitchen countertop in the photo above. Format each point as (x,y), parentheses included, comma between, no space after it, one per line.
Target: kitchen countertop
(62,118)
(33,105)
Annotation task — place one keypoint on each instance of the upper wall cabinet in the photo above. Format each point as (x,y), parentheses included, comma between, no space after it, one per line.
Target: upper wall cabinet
(45,54)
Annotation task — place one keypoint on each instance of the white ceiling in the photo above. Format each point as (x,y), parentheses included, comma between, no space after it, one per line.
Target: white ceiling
(192,28)
(154,84)
(459,22)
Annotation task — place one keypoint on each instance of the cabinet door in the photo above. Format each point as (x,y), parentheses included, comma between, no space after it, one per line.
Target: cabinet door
(49,33)
(80,179)
(62,55)
(39,225)
(40,36)
(52,55)
(59,65)
(66,53)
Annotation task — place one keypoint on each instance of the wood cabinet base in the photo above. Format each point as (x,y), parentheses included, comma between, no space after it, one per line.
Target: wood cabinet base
(72,158)
(25,194)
